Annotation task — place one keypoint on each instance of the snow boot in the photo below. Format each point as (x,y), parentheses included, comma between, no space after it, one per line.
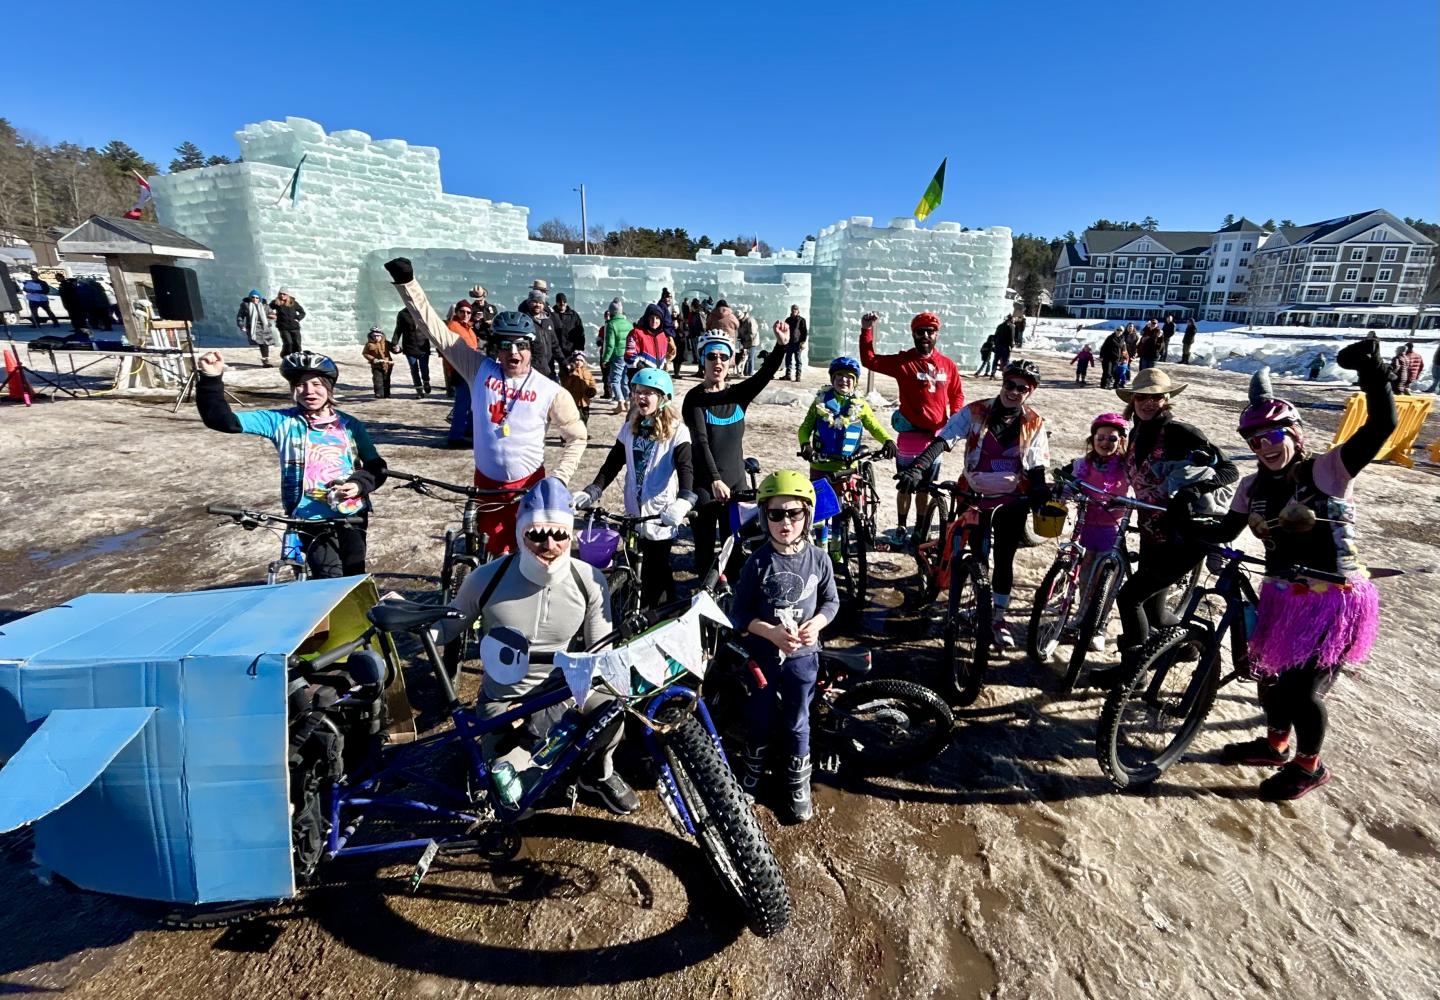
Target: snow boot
(801,807)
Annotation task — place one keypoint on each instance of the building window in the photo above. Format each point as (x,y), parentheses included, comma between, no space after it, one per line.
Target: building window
(1196,279)
(1404,295)
(1352,274)
(1142,261)
(1119,278)
(1157,279)
(1357,254)
(1226,247)
(1095,293)
(1100,262)
(1319,274)
(1079,275)
(1246,247)
(1136,293)
(1144,247)
(1193,297)
(1347,295)
(1201,262)
(1224,261)
(1220,279)
(1174,279)
(1391,253)
(1244,261)
(1378,295)
(1122,261)
(1384,274)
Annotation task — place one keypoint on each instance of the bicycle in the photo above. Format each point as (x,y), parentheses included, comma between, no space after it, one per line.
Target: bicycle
(292,545)
(849,533)
(615,551)
(1154,713)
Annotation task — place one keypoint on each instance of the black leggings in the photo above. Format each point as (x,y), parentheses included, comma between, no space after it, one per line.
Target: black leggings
(1007,527)
(336,553)
(657,577)
(1296,699)
(1142,599)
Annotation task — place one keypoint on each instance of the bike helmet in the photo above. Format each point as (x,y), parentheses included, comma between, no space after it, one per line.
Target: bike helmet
(714,340)
(1027,370)
(513,325)
(1116,420)
(845,363)
(924,319)
(1265,411)
(786,483)
(654,378)
(297,367)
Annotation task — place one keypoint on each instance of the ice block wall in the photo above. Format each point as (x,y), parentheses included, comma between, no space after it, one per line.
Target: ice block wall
(355,194)
(899,270)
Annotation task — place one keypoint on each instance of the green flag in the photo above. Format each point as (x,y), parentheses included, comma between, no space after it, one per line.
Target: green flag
(292,187)
(930,200)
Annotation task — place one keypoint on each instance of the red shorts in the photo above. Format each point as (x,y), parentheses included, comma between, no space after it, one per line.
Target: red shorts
(496,516)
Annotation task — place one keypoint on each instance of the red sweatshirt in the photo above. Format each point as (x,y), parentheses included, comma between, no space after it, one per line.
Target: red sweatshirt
(930,388)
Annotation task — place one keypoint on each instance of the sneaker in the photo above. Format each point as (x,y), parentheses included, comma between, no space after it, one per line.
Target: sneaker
(614,793)
(1292,781)
(1003,633)
(897,537)
(1255,753)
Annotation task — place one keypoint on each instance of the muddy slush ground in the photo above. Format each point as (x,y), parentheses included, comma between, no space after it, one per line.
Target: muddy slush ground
(1005,868)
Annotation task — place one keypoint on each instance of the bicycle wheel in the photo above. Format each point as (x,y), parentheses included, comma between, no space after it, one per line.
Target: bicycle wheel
(929,536)
(1151,717)
(1178,599)
(1092,620)
(872,500)
(726,828)
(447,568)
(967,630)
(884,726)
(1054,601)
(848,544)
(624,599)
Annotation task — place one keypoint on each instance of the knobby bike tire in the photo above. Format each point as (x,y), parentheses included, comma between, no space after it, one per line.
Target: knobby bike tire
(1092,622)
(872,502)
(1179,595)
(968,631)
(726,828)
(457,648)
(1053,600)
(625,610)
(885,726)
(930,528)
(1163,695)
(852,569)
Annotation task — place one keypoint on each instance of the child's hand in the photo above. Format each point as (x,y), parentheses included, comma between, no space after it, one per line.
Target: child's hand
(785,640)
(809,633)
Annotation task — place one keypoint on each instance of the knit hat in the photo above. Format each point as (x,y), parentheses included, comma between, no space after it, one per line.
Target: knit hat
(254,294)
(375,331)
(560,297)
(536,295)
(616,306)
(283,291)
(548,502)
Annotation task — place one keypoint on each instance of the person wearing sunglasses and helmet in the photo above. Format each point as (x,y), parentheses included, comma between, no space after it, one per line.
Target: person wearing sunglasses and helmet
(1007,451)
(512,406)
(328,464)
(784,597)
(1103,467)
(1302,507)
(653,448)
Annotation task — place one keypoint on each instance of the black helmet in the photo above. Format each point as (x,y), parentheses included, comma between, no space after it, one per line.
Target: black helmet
(297,367)
(1027,370)
(513,324)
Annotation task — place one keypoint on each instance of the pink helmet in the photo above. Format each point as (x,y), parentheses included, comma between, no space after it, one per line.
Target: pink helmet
(1116,420)
(1264,409)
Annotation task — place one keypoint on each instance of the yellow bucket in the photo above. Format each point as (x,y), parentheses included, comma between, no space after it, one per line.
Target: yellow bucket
(1049,520)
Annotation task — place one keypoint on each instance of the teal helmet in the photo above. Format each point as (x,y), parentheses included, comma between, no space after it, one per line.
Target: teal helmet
(654,378)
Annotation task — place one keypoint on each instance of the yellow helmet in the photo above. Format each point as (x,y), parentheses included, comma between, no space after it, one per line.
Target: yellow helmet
(786,483)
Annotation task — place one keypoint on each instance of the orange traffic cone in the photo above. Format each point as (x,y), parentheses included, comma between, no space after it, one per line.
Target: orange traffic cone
(15,378)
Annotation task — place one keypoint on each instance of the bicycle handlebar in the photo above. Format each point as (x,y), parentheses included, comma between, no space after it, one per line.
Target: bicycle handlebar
(1288,572)
(622,521)
(1112,498)
(255,518)
(863,455)
(475,492)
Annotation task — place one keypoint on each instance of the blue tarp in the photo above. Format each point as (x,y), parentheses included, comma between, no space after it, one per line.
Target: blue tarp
(195,807)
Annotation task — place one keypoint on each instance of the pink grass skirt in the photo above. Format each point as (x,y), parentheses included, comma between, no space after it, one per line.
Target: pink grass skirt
(1297,622)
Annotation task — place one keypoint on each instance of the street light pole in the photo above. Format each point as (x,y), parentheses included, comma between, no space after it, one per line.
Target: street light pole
(584,221)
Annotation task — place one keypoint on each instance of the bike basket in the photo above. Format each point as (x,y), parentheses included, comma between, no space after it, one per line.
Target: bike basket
(1049,520)
(597,544)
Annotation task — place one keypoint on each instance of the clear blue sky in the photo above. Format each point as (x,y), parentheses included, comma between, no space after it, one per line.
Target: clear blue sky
(779,118)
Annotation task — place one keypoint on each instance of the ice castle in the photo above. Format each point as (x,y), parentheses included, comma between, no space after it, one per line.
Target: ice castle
(362,201)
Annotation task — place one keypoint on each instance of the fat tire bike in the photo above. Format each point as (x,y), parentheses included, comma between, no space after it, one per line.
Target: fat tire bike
(292,541)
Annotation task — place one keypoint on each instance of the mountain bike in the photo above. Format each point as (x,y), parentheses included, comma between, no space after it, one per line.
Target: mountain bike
(611,543)
(849,533)
(293,534)
(1153,714)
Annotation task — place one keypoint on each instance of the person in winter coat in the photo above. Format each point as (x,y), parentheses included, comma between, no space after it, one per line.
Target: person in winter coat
(799,335)
(1082,362)
(615,334)
(647,346)
(667,313)
(411,341)
(1188,342)
(94,303)
(377,353)
(1019,318)
(37,297)
(745,340)
(653,448)
(1004,343)
(462,423)
(482,315)
(288,314)
(1150,347)
(1435,372)
(1103,467)
(69,292)
(694,329)
(547,352)
(1110,350)
(1317,365)
(987,357)
(569,328)
(1409,366)
(579,382)
(1166,332)
(255,322)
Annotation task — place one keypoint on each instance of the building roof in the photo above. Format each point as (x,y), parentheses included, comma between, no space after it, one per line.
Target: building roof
(1338,230)
(1099,241)
(102,235)
(1241,225)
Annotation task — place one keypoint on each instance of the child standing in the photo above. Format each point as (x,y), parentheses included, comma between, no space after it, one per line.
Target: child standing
(1122,369)
(834,426)
(653,447)
(1103,467)
(580,383)
(382,362)
(784,596)
(1082,362)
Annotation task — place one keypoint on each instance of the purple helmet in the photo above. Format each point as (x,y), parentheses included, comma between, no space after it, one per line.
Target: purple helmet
(1264,409)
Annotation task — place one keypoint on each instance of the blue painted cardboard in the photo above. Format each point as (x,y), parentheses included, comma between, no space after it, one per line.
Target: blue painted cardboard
(195,808)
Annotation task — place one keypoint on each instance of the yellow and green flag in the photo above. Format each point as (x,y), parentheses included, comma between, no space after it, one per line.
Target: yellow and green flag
(930,200)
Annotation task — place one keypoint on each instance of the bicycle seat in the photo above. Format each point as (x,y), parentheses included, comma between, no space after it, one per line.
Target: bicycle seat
(855,661)
(407,616)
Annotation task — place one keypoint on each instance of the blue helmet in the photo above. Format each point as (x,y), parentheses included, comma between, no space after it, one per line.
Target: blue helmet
(513,325)
(654,378)
(845,363)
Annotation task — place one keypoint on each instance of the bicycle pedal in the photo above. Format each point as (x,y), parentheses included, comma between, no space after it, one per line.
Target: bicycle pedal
(422,867)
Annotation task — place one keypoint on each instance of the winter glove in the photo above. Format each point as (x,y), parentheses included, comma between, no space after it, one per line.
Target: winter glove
(807,451)
(1363,358)
(887,449)
(674,515)
(1178,514)
(909,478)
(401,271)
(1038,493)
(587,498)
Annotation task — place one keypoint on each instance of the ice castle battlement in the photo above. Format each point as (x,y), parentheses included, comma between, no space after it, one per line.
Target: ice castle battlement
(362,201)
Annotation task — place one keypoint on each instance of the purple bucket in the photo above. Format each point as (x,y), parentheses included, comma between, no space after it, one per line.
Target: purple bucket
(596,544)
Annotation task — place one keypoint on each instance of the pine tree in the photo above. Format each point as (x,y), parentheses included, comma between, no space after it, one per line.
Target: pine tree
(1149,223)
(1286,223)
(1030,291)
(1229,220)
(189,157)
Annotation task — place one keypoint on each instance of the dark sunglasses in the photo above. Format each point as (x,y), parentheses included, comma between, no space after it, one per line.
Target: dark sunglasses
(1141,397)
(542,535)
(786,514)
(512,345)
(709,356)
(1273,436)
(1014,386)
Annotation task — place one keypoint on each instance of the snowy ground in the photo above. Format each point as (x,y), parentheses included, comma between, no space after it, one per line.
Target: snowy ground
(1007,868)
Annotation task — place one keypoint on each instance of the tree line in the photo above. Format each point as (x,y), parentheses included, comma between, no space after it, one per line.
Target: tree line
(641,241)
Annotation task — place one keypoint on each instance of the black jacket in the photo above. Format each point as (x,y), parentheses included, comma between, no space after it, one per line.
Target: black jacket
(288,317)
(545,353)
(1005,336)
(1110,348)
(799,329)
(569,331)
(409,339)
(1189,331)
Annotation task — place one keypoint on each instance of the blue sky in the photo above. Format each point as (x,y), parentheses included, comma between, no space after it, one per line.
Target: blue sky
(779,118)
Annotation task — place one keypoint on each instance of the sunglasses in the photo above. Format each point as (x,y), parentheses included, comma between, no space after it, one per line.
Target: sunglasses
(787,514)
(542,535)
(1106,438)
(1144,397)
(1273,436)
(709,356)
(513,345)
(1014,386)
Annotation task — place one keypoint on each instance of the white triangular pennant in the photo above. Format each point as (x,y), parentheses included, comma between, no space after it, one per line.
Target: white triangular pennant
(579,671)
(704,606)
(682,643)
(614,669)
(647,660)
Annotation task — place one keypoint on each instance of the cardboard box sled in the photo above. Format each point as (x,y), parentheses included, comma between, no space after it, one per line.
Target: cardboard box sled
(145,735)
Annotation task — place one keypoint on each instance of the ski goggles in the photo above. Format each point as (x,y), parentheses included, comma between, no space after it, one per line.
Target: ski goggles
(1265,438)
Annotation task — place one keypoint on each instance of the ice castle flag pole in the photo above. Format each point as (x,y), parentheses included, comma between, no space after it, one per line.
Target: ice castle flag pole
(292,188)
(930,200)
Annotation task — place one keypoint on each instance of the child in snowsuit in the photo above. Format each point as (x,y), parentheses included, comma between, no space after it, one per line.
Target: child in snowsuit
(377,352)
(579,381)
(1082,362)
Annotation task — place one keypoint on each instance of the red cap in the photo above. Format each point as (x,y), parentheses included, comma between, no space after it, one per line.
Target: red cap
(924,319)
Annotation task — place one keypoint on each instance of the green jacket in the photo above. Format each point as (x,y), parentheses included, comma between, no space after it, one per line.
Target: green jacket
(617,330)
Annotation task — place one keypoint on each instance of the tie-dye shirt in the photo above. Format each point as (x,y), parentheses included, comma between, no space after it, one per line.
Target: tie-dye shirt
(310,458)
